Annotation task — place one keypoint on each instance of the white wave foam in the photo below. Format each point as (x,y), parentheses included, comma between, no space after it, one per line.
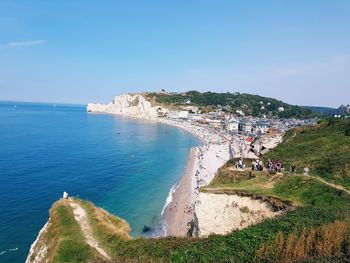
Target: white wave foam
(10,250)
(169,198)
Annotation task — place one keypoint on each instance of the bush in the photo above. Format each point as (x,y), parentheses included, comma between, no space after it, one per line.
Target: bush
(244,209)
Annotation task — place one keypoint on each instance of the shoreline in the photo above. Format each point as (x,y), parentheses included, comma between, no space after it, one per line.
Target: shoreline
(174,215)
(201,166)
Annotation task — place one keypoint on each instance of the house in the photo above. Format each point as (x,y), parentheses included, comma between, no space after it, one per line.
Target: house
(245,126)
(214,123)
(212,115)
(178,114)
(194,117)
(262,126)
(231,125)
(240,112)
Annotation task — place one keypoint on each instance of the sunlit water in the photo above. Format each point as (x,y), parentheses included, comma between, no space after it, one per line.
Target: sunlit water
(124,165)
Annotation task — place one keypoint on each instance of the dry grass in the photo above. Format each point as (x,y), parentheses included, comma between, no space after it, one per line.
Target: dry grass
(316,243)
(113,225)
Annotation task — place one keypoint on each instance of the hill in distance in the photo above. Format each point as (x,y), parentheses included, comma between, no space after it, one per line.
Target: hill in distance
(249,104)
(324,111)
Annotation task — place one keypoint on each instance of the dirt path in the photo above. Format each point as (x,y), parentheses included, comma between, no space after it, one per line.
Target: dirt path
(336,186)
(81,217)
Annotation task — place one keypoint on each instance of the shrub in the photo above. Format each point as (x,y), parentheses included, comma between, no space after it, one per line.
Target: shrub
(244,209)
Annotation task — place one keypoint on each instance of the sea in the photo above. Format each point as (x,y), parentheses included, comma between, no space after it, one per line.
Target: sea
(126,166)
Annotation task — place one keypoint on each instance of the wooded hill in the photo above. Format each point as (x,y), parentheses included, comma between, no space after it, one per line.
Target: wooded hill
(231,102)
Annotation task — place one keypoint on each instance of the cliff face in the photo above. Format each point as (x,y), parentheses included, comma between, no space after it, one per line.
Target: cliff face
(132,105)
(77,231)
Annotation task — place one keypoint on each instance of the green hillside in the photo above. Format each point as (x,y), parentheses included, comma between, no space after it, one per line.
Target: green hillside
(250,104)
(325,149)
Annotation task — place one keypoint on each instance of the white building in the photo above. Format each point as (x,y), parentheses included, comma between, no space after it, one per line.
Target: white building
(262,126)
(240,112)
(214,123)
(194,117)
(232,125)
(178,114)
(245,126)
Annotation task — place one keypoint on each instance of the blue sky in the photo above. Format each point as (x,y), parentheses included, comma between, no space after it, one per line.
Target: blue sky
(89,51)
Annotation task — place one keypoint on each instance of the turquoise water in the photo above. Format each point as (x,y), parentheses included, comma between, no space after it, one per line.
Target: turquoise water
(124,165)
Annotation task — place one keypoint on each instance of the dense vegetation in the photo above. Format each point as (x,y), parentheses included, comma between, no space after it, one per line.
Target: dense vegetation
(250,104)
(323,111)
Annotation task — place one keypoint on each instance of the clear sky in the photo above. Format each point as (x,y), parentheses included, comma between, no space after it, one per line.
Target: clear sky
(89,51)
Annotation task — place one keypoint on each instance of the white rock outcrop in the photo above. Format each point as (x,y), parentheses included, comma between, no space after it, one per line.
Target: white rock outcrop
(222,213)
(131,105)
(38,249)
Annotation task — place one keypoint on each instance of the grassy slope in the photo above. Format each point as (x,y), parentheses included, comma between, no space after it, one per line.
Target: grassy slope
(321,205)
(66,243)
(324,149)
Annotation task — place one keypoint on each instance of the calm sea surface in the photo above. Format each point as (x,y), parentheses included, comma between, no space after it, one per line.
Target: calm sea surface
(124,165)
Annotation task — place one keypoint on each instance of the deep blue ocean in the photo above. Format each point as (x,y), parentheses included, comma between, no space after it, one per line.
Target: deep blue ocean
(124,165)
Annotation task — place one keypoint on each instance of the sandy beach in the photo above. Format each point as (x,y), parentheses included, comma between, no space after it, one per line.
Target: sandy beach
(202,165)
(174,214)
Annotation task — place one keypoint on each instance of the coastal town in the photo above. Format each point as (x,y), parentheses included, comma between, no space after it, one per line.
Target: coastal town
(225,137)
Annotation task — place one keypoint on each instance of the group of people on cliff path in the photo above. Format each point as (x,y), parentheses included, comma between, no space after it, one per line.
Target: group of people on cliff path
(272,166)
(276,166)
(257,165)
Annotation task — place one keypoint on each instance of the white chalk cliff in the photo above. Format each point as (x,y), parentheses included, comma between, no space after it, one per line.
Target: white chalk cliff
(131,105)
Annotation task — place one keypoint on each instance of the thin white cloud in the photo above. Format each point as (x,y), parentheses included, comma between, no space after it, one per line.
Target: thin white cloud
(24,43)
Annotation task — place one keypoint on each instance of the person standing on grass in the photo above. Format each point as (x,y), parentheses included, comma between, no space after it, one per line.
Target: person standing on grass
(293,168)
